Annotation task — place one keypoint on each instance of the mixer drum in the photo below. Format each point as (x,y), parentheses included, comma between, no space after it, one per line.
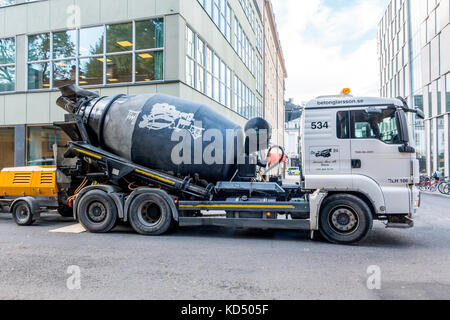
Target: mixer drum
(140,128)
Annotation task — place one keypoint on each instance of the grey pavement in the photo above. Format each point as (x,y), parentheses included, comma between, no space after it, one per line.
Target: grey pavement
(215,263)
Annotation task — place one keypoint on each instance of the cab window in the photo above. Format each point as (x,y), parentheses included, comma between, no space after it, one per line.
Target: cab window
(343,125)
(378,124)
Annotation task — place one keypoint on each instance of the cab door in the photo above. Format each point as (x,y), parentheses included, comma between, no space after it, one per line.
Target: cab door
(326,150)
(375,154)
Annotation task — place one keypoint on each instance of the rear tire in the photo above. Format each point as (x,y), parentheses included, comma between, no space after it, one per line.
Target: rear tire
(345,219)
(97,212)
(150,214)
(22,214)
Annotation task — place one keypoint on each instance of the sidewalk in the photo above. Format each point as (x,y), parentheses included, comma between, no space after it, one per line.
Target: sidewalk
(436,194)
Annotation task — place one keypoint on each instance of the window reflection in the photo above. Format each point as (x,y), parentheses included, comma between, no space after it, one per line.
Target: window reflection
(7,79)
(39,76)
(7,147)
(7,51)
(64,44)
(7,64)
(447,91)
(119,37)
(64,72)
(6,2)
(40,141)
(39,47)
(119,69)
(149,66)
(91,41)
(150,34)
(91,71)
(78,56)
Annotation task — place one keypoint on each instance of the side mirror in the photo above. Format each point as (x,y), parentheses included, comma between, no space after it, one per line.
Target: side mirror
(420,114)
(402,126)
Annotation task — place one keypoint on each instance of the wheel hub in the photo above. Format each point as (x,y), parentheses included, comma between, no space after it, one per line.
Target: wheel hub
(149,213)
(97,212)
(344,220)
(23,213)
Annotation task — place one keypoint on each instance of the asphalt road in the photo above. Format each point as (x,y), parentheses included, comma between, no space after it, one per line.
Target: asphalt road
(214,263)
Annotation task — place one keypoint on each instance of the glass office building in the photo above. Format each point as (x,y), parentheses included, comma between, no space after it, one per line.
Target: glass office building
(414,56)
(208,51)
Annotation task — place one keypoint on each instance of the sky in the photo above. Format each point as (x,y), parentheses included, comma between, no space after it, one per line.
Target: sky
(329,45)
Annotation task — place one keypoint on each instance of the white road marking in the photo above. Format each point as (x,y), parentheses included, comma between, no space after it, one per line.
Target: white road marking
(75,229)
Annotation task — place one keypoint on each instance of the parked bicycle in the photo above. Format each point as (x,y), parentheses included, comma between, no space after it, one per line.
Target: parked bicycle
(444,186)
(432,184)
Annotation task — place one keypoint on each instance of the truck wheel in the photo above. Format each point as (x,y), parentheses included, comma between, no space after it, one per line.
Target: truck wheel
(22,214)
(345,219)
(97,212)
(150,214)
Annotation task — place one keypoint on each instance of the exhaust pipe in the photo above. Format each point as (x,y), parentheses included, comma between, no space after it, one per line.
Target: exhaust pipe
(71,95)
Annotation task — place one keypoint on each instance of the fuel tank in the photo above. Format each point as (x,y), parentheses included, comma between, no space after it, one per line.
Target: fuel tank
(155,130)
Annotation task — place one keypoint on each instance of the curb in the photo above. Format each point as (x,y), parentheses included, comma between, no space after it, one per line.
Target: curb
(435,194)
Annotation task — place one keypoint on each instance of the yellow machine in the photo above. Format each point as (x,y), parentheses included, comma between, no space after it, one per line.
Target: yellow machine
(28,181)
(27,191)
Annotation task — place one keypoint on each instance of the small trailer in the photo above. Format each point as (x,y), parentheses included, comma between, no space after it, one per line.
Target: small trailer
(28,191)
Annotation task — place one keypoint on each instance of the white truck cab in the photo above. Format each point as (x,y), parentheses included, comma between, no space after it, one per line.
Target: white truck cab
(360,148)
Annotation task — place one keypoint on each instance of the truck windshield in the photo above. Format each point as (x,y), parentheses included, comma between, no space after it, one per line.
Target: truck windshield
(380,125)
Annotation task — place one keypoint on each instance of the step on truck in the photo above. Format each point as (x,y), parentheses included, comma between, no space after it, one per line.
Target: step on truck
(156,161)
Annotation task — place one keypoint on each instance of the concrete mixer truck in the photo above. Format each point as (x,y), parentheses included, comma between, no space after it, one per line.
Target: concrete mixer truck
(156,161)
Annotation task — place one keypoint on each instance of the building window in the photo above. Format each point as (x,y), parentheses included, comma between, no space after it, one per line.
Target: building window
(7,147)
(221,13)
(209,74)
(39,61)
(430,102)
(110,54)
(244,100)
(439,96)
(441,144)
(259,39)
(200,66)
(190,57)
(7,65)
(249,12)
(432,142)
(243,47)
(259,76)
(4,3)
(447,91)
(40,141)
(206,71)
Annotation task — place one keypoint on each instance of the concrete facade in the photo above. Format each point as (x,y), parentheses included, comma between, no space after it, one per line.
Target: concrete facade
(22,107)
(274,75)
(413,48)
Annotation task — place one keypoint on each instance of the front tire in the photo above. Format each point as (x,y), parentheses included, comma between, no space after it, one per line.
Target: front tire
(150,214)
(345,219)
(97,212)
(22,214)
